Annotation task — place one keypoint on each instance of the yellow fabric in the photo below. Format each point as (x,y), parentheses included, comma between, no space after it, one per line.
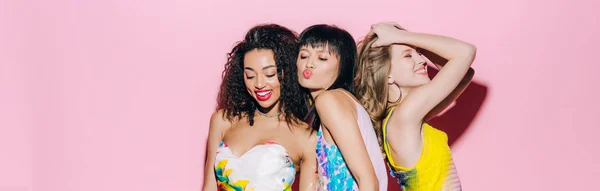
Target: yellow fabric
(435,168)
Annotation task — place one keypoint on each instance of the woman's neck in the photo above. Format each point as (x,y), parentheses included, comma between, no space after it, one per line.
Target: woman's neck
(315,93)
(405,92)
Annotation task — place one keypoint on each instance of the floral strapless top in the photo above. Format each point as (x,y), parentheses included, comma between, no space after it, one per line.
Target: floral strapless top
(265,167)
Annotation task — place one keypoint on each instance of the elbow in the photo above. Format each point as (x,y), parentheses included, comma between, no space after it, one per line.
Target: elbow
(463,51)
(368,182)
(470,50)
(466,52)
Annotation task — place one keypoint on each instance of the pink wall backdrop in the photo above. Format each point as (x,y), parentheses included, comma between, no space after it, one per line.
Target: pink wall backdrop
(116,95)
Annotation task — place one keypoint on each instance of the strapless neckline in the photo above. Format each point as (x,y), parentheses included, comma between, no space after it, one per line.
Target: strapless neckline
(266,166)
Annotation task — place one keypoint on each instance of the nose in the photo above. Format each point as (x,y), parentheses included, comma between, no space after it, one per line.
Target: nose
(420,60)
(260,82)
(310,64)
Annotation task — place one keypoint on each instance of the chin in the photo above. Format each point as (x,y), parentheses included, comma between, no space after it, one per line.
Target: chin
(312,88)
(304,83)
(263,106)
(266,104)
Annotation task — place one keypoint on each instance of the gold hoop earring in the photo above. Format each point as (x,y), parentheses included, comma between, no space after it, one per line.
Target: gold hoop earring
(399,97)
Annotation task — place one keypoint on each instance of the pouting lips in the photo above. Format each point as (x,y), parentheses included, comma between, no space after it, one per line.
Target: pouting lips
(307,74)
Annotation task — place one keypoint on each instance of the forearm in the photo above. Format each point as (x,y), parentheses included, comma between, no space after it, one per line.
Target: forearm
(308,174)
(209,185)
(367,183)
(446,47)
(210,181)
(308,183)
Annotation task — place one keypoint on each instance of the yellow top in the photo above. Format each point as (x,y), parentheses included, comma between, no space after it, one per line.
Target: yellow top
(435,168)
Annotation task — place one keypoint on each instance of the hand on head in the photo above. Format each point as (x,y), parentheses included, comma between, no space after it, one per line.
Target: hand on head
(386,32)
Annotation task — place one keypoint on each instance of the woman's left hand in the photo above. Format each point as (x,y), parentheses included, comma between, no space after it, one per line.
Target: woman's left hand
(388,33)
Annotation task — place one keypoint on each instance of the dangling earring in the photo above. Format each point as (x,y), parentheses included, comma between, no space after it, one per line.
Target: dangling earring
(392,82)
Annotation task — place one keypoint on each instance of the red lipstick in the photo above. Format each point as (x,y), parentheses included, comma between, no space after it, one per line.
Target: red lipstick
(263,95)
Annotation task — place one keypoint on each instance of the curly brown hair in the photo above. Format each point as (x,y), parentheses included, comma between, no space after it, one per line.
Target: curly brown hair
(233,98)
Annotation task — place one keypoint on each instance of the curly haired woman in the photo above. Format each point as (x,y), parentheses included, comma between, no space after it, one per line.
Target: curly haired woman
(256,139)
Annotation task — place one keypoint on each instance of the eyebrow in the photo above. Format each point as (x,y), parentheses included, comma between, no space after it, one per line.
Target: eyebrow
(264,68)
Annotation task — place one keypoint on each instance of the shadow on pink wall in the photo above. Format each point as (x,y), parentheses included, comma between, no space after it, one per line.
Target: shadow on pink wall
(456,120)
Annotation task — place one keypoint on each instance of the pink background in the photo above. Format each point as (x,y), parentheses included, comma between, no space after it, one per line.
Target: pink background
(116,95)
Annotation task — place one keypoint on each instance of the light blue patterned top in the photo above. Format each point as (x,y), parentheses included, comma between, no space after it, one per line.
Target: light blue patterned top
(333,173)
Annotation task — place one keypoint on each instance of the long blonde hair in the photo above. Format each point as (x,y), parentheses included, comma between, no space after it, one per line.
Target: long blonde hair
(371,81)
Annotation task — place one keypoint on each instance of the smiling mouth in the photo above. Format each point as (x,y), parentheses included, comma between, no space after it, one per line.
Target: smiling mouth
(263,95)
(421,70)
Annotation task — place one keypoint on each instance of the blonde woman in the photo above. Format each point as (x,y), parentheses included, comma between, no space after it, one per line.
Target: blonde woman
(393,85)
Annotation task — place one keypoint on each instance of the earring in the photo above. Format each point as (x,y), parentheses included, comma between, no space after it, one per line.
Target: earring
(399,97)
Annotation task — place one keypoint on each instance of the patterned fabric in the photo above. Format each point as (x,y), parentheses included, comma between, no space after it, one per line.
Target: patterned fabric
(435,169)
(334,174)
(265,167)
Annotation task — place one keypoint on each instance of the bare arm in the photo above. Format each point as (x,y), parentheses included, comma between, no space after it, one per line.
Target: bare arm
(308,166)
(460,56)
(428,99)
(337,116)
(439,62)
(215,135)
